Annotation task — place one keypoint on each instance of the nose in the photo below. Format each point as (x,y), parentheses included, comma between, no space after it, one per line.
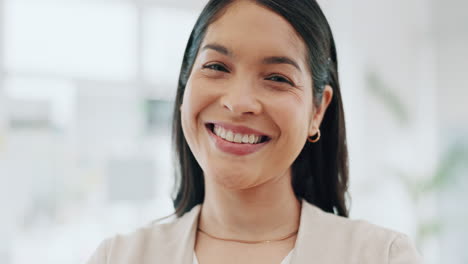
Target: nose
(241,99)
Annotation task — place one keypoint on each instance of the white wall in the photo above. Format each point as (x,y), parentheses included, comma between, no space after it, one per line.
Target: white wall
(451,28)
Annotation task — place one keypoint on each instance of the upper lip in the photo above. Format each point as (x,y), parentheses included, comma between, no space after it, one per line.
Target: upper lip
(238,129)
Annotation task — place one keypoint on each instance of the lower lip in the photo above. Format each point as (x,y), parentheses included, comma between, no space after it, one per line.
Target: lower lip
(235,148)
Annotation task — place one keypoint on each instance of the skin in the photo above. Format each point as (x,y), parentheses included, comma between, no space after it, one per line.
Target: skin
(250,197)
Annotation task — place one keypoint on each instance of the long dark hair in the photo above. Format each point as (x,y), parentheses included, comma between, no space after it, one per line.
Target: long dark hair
(320,172)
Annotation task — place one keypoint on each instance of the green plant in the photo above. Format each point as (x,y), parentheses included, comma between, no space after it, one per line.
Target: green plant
(419,188)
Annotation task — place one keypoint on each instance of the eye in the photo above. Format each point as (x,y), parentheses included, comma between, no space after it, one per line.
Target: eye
(279,78)
(216,67)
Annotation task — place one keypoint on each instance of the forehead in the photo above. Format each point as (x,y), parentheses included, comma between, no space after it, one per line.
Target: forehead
(249,29)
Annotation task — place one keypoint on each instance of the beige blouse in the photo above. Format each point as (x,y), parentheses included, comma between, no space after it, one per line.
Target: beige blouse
(322,238)
(286,260)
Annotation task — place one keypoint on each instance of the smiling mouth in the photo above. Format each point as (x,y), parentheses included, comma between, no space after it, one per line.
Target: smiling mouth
(236,138)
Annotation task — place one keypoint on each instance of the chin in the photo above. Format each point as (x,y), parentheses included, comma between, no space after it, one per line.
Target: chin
(233,179)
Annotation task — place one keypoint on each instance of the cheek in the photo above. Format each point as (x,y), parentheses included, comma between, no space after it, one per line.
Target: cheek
(291,115)
(196,99)
(292,120)
(191,100)
(190,109)
(293,127)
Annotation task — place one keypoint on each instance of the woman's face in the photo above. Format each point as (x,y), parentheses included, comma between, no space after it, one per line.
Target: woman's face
(247,108)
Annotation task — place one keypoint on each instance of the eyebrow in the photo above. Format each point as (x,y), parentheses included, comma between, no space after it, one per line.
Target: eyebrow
(268,60)
(219,48)
(281,60)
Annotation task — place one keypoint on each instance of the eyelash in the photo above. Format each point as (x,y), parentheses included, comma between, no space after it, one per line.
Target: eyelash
(211,67)
(222,68)
(281,79)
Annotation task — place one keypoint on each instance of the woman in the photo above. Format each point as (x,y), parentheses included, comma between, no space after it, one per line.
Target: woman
(261,147)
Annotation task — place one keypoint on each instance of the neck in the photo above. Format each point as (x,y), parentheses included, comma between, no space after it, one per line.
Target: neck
(268,211)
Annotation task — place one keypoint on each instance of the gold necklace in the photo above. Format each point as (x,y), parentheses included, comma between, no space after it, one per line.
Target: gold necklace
(247,241)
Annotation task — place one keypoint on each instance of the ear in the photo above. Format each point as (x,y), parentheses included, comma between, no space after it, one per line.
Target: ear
(319,112)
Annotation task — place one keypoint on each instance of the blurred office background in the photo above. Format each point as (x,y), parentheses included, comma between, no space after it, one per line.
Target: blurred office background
(86,90)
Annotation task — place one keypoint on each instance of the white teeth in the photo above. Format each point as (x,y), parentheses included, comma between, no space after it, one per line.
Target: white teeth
(237,138)
(222,132)
(229,136)
(257,139)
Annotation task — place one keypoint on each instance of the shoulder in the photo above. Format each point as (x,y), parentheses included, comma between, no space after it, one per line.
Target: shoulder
(354,229)
(146,243)
(357,239)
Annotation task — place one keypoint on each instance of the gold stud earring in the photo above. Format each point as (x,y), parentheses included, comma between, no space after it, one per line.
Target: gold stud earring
(316,139)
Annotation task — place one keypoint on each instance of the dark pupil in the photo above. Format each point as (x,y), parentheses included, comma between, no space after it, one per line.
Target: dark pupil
(217,67)
(277,79)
